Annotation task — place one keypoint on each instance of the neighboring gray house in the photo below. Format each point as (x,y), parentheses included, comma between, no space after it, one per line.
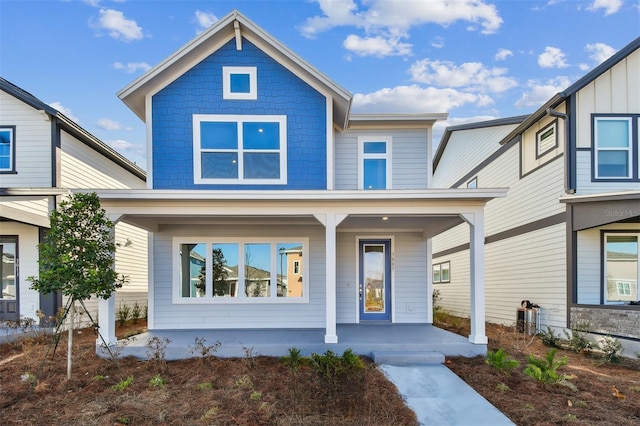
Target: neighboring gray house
(566,236)
(43,156)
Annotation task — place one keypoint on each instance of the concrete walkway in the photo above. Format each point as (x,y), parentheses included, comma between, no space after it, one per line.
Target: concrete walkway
(439,397)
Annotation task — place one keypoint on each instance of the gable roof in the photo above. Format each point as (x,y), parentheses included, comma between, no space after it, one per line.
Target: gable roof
(470,126)
(213,39)
(72,128)
(560,97)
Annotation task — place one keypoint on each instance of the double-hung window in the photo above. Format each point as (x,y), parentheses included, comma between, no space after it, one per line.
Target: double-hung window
(613,147)
(7,149)
(374,165)
(621,267)
(245,149)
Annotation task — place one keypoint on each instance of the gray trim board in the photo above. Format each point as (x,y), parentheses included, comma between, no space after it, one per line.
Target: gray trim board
(513,232)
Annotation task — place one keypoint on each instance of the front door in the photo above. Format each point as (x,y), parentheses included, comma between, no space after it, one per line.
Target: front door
(375,280)
(9,276)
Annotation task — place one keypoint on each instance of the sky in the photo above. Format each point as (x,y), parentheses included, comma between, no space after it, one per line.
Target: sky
(473,59)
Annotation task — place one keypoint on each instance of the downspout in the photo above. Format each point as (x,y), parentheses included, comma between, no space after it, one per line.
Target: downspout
(565,118)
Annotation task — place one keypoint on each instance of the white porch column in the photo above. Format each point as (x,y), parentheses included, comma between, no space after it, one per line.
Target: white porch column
(330,222)
(476,259)
(430,280)
(107,320)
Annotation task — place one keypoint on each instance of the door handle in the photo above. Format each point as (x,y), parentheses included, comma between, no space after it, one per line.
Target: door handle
(360,291)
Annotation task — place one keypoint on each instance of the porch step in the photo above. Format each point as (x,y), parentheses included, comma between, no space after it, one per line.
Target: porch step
(407,357)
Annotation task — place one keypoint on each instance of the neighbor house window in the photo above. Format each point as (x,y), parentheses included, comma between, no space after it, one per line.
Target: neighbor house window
(546,140)
(613,147)
(473,183)
(441,272)
(239,83)
(7,149)
(222,270)
(374,171)
(621,267)
(247,149)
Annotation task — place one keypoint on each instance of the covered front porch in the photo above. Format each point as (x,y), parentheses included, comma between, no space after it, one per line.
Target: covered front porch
(411,343)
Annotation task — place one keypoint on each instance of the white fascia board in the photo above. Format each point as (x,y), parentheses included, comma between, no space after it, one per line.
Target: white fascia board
(483,194)
(609,196)
(395,121)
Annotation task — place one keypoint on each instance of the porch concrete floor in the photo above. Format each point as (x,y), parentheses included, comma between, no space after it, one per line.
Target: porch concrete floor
(388,339)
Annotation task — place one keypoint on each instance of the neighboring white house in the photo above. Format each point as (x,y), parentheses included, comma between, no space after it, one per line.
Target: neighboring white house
(253,154)
(43,156)
(566,236)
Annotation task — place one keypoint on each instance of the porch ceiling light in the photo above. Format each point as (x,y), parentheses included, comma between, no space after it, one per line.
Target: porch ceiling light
(385,217)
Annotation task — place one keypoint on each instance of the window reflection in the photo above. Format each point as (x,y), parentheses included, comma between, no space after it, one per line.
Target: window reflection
(289,269)
(257,270)
(192,270)
(224,277)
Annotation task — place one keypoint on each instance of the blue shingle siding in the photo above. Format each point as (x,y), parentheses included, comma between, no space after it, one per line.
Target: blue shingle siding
(199,91)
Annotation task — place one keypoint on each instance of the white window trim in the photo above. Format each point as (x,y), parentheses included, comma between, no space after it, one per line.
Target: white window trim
(596,149)
(239,119)
(604,264)
(438,267)
(226,83)
(12,148)
(241,299)
(362,156)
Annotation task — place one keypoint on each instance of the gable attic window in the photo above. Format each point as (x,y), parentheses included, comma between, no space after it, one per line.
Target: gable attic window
(7,149)
(240,149)
(613,147)
(239,83)
(546,140)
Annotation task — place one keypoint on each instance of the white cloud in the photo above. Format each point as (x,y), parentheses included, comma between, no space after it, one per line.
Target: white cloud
(108,124)
(205,20)
(407,99)
(440,126)
(66,111)
(610,6)
(438,42)
(376,46)
(552,58)
(393,19)
(540,92)
(134,151)
(503,54)
(473,76)
(117,25)
(599,52)
(132,67)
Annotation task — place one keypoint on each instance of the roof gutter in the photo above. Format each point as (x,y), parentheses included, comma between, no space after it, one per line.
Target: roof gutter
(553,113)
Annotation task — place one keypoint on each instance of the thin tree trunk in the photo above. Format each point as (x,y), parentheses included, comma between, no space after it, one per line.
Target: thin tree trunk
(70,343)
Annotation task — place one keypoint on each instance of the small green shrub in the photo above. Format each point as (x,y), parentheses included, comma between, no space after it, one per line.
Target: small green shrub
(332,367)
(123,384)
(500,361)
(145,311)
(255,396)
(612,350)
(156,350)
(136,312)
(501,387)
(99,377)
(577,340)
(205,351)
(123,313)
(157,381)
(294,360)
(206,385)
(546,370)
(549,338)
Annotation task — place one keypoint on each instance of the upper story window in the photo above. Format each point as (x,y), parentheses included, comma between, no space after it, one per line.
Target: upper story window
(614,147)
(546,140)
(7,149)
(239,83)
(246,149)
(374,165)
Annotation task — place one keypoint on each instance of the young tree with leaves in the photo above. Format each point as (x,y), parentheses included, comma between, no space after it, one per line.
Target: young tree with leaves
(77,256)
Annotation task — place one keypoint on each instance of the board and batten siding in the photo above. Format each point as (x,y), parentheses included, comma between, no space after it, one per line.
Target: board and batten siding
(465,150)
(409,276)
(617,90)
(409,151)
(238,315)
(33,144)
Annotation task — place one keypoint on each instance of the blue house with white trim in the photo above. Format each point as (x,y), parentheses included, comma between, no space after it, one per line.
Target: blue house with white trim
(253,155)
